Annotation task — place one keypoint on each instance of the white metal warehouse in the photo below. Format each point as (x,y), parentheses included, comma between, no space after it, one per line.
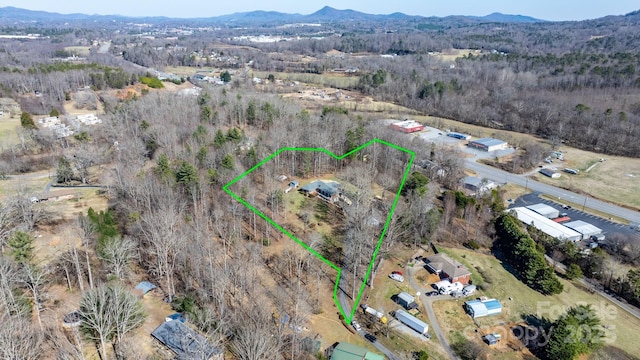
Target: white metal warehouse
(546,225)
(583,228)
(545,210)
(488,144)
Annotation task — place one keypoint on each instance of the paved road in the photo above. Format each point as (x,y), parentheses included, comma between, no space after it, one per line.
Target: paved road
(500,176)
(344,302)
(427,301)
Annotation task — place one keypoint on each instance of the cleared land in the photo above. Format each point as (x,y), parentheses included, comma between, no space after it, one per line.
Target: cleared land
(9,131)
(78,50)
(517,299)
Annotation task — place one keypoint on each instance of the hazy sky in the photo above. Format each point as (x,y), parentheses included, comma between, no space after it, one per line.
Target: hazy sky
(542,9)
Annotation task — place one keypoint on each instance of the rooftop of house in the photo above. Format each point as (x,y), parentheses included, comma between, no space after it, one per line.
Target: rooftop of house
(184,341)
(317,184)
(443,263)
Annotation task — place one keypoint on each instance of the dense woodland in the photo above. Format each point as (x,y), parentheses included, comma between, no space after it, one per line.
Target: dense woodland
(166,157)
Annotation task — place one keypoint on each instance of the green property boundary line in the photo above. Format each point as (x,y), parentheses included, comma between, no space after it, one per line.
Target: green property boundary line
(305,246)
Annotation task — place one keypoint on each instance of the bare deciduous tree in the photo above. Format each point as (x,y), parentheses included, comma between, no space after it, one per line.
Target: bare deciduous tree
(108,313)
(19,340)
(118,253)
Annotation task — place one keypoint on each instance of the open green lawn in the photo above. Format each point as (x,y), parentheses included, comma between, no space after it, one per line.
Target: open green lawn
(500,284)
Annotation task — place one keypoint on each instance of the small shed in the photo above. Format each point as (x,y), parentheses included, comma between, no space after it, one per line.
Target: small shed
(550,173)
(407,301)
(490,339)
(185,342)
(143,288)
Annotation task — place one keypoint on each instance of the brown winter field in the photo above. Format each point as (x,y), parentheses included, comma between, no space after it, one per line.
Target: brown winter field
(450,55)
(78,50)
(517,299)
(617,179)
(8,131)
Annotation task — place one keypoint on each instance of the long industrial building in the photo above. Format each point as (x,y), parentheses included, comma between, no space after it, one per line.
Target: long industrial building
(546,225)
(488,144)
(545,210)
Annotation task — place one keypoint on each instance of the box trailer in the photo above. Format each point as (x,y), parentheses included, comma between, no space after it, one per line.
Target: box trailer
(412,322)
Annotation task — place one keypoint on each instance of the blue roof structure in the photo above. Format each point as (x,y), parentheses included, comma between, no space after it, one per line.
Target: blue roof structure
(481,308)
(492,304)
(145,287)
(177,316)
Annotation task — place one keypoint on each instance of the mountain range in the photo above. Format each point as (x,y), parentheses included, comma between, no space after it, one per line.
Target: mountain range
(324,15)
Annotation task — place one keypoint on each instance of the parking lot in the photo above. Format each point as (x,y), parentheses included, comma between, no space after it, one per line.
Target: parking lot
(608,227)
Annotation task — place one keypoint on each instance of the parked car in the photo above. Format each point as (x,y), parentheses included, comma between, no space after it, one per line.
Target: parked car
(370,337)
(563,214)
(396,277)
(432,293)
(567,207)
(355,325)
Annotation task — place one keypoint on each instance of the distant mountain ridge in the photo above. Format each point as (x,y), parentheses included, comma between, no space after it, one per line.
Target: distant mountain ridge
(506,18)
(326,14)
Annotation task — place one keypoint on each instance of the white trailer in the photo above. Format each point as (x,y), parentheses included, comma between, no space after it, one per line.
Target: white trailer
(412,322)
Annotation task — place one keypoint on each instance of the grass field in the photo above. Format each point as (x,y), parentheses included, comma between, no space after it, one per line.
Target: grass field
(328,79)
(452,54)
(616,180)
(517,299)
(8,134)
(78,50)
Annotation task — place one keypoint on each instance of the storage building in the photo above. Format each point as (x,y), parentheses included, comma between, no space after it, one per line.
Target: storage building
(481,308)
(550,173)
(412,322)
(546,225)
(477,184)
(346,351)
(488,144)
(406,301)
(584,228)
(407,126)
(545,210)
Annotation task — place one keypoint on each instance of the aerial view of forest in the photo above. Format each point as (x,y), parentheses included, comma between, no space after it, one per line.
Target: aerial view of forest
(337,185)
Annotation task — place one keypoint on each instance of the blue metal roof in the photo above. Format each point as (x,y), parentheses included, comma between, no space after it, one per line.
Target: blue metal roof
(145,287)
(492,304)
